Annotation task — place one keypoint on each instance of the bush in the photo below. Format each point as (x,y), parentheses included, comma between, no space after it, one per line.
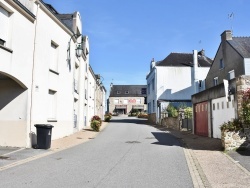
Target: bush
(188,112)
(172,111)
(107,117)
(97,118)
(95,125)
(234,125)
(142,116)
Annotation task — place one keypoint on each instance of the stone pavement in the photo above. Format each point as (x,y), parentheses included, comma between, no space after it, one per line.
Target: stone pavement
(209,166)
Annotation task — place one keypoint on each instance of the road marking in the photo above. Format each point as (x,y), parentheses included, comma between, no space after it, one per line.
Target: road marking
(13,152)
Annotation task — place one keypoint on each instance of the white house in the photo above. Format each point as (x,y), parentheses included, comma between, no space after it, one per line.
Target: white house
(42,77)
(174,80)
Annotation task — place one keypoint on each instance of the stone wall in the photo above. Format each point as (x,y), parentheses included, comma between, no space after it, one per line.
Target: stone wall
(171,122)
(152,118)
(232,140)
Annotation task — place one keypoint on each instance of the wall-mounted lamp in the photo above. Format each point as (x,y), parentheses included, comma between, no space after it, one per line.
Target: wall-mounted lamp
(79,46)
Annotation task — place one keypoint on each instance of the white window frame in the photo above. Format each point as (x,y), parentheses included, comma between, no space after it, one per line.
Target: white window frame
(216,81)
(53,56)
(231,75)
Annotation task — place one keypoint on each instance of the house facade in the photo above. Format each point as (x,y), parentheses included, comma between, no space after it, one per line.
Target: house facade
(174,80)
(43,78)
(124,98)
(221,99)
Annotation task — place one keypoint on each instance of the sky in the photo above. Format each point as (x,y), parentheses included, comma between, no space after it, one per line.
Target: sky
(125,35)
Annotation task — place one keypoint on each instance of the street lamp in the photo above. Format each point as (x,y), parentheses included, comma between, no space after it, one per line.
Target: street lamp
(79,46)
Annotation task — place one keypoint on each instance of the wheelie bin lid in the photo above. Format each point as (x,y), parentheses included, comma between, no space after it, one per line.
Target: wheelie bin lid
(45,126)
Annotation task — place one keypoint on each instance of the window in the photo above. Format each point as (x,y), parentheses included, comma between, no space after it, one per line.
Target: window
(76,78)
(215,81)
(149,107)
(153,84)
(125,101)
(116,101)
(227,104)
(200,84)
(153,110)
(221,64)
(118,92)
(231,75)
(53,56)
(126,92)
(4,29)
(148,88)
(138,101)
(52,104)
(144,91)
(218,106)
(213,106)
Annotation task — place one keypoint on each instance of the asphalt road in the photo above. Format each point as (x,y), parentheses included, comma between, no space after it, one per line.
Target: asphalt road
(127,153)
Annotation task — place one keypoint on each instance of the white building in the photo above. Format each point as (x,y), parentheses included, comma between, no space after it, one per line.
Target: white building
(174,80)
(42,79)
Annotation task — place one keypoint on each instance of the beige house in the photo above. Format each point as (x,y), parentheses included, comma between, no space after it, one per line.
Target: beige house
(125,98)
(43,78)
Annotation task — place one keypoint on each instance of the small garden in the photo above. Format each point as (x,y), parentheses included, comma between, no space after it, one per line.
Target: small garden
(235,134)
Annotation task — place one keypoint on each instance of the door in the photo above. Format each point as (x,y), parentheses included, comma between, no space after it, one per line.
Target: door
(201,119)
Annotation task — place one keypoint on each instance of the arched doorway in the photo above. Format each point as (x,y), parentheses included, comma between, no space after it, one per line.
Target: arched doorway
(13,111)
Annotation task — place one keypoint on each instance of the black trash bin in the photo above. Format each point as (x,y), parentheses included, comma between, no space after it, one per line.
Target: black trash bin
(43,132)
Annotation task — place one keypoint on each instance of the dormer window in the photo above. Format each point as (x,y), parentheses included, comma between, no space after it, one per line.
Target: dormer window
(126,92)
(118,92)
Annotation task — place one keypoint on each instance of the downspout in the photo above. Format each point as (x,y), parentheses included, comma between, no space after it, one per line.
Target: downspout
(33,68)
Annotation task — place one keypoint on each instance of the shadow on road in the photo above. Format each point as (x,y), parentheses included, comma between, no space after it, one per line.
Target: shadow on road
(129,120)
(165,139)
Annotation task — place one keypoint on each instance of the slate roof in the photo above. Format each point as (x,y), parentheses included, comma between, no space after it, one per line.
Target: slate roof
(133,91)
(242,45)
(66,19)
(184,59)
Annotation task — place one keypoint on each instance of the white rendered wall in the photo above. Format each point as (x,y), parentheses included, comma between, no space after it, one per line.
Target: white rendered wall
(14,117)
(220,115)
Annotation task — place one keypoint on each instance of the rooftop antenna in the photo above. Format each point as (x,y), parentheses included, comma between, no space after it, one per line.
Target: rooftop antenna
(200,43)
(231,17)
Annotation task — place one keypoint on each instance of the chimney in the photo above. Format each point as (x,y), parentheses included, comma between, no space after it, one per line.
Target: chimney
(152,64)
(195,66)
(226,35)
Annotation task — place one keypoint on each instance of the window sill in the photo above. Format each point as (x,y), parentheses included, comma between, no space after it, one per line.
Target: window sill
(5,48)
(51,120)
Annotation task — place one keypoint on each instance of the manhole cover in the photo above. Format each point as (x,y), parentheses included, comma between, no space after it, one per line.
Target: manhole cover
(132,142)
(4,157)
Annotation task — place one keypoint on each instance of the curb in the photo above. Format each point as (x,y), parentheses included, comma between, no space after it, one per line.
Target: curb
(237,164)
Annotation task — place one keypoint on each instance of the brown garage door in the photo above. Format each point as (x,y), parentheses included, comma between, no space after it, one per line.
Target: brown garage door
(201,119)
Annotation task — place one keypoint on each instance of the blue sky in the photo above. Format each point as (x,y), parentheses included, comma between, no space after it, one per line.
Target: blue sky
(126,34)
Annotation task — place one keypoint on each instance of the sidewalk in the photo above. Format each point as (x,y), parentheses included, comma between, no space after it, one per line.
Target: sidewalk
(77,138)
(209,166)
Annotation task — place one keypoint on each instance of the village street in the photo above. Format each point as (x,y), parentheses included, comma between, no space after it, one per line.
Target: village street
(127,153)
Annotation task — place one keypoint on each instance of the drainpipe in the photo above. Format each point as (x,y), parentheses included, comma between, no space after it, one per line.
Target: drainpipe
(195,66)
(33,69)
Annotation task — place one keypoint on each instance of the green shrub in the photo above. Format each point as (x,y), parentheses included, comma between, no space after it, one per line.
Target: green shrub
(97,118)
(234,125)
(95,125)
(188,112)
(172,111)
(107,118)
(142,116)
